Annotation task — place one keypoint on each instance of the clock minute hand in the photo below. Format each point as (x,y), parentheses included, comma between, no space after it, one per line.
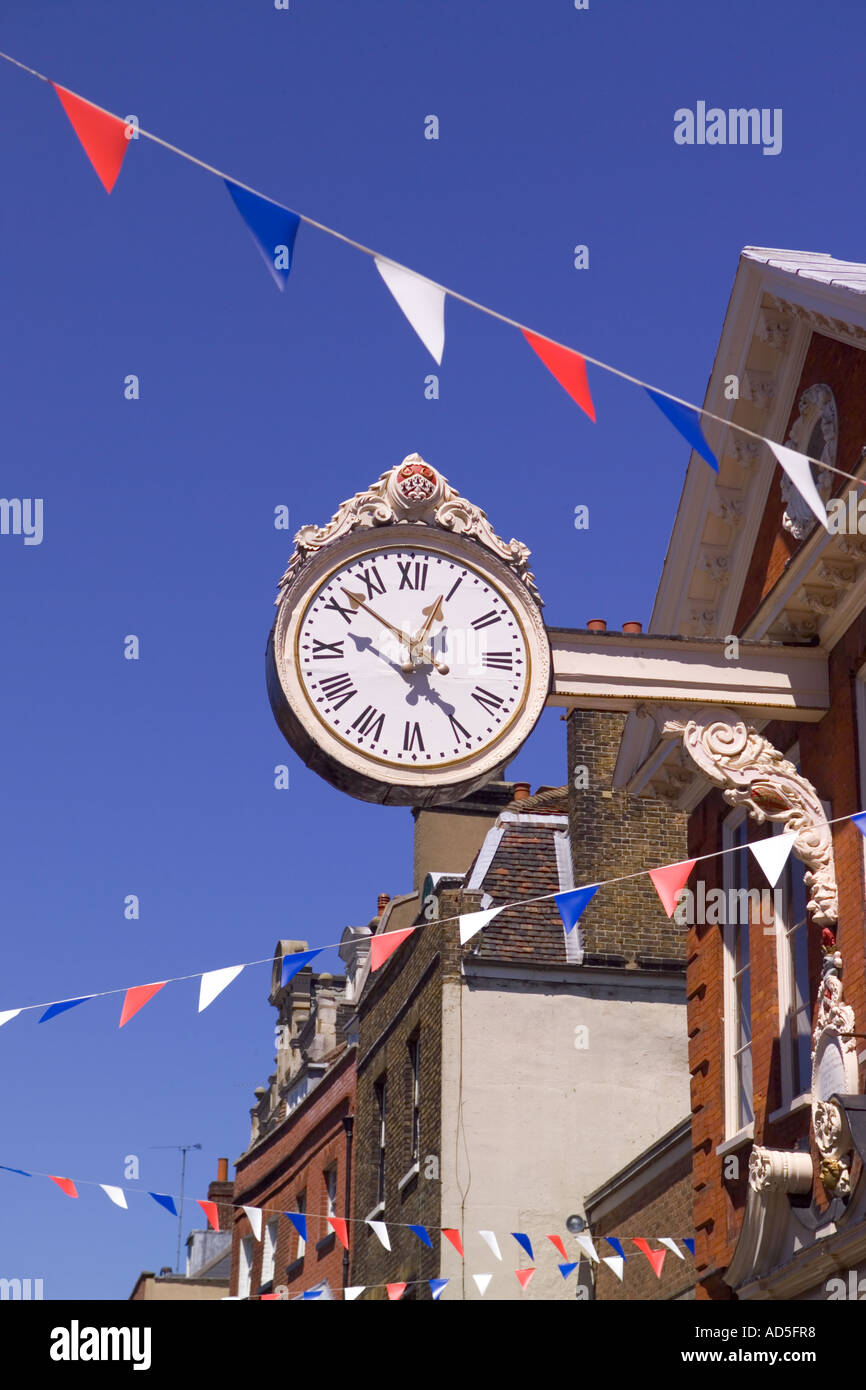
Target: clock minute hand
(419,650)
(358,601)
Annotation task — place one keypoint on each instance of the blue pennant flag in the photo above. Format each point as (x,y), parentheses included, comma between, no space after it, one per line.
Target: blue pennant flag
(19,1171)
(167,1202)
(565,1270)
(615,1245)
(860,821)
(436,1286)
(292,964)
(571,905)
(524,1242)
(274,229)
(54,1009)
(421,1233)
(313,1293)
(299,1222)
(687,422)
(690,1245)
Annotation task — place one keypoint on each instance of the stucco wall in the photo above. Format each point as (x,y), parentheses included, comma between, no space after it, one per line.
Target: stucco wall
(533,1122)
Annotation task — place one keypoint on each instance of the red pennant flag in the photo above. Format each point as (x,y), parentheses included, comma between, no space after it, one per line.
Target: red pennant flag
(210,1211)
(655,1257)
(454,1236)
(136,998)
(557,1241)
(102,135)
(669,881)
(342,1229)
(263,1297)
(66,1185)
(381,947)
(567,366)
(524,1275)
(395,1290)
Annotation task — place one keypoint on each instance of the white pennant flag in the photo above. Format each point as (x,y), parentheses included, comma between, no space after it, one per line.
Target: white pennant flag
(254,1216)
(472,922)
(587,1246)
(10,1013)
(115,1195)
(799,470)
(353,1291)
(616,1263)
(772,854)
(671,1245)
(491,1240)
(482,1281)
(213,982)
(422,302)
(381,1231)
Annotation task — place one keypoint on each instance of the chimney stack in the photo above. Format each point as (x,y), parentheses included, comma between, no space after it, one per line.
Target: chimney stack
(632,627)
(222,1170)
(522,790)
(597,625)
(382,902)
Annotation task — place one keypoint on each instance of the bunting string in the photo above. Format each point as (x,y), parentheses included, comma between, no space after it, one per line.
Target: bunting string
(668,879)
(340,1225)
(420,298)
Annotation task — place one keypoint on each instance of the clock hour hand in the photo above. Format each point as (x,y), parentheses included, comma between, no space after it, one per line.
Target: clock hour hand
(358,601)
(420,650)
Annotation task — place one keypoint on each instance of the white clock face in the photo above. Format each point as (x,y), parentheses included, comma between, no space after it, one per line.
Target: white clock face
(412,658)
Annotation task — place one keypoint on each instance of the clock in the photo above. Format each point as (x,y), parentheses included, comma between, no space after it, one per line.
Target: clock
(409,660)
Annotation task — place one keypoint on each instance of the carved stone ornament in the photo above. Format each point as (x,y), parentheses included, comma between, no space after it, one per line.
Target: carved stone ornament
(756,775)
(835,1070)
(813,433)
(410,492)
(779,1170)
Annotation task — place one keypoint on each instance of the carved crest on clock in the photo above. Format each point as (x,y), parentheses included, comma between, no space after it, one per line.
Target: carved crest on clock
(412,492)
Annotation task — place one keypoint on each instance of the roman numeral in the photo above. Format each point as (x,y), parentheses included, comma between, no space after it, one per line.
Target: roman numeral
(454,587)
(374,585)
(368,720)
(486,620)
(338,608)
(338,689)
(410,734)
(416,581)
(498,661)
(457,728)
(487,699)
(325,651)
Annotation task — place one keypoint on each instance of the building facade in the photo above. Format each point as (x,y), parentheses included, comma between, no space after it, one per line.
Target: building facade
(299,1159)
(762,732)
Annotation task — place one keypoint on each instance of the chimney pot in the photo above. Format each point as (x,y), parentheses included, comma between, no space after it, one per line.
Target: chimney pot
(222,1170)
(522,790)
(632,627)
(597,625)
(382,902)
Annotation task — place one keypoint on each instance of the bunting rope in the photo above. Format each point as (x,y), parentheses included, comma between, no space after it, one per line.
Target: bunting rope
(116,1194)
(565,363)
(382,946)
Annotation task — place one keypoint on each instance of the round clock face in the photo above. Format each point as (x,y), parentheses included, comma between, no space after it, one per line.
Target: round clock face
(412,658)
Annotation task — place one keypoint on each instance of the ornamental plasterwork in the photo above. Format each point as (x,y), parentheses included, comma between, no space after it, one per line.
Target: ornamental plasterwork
(835,1070)
(760,388)
(727,507)
(817,416)
(779,1170)
(822,322)
(703,621)
(756,775)
(774,328)
(413,492)
(717,566)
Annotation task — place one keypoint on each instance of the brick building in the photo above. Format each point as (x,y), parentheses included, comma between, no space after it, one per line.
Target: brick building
(299,1156)
(496,1081)
(751,719)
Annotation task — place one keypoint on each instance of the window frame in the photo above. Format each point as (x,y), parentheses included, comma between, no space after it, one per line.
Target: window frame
(735,1123)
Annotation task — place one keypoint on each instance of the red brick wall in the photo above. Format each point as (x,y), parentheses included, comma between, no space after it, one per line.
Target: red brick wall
(291,1160)
(663,1207)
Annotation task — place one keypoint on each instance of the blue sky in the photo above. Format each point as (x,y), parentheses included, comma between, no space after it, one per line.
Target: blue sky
(156,777)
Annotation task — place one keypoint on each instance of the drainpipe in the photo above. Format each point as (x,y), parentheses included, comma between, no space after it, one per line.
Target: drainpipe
(348,1125)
